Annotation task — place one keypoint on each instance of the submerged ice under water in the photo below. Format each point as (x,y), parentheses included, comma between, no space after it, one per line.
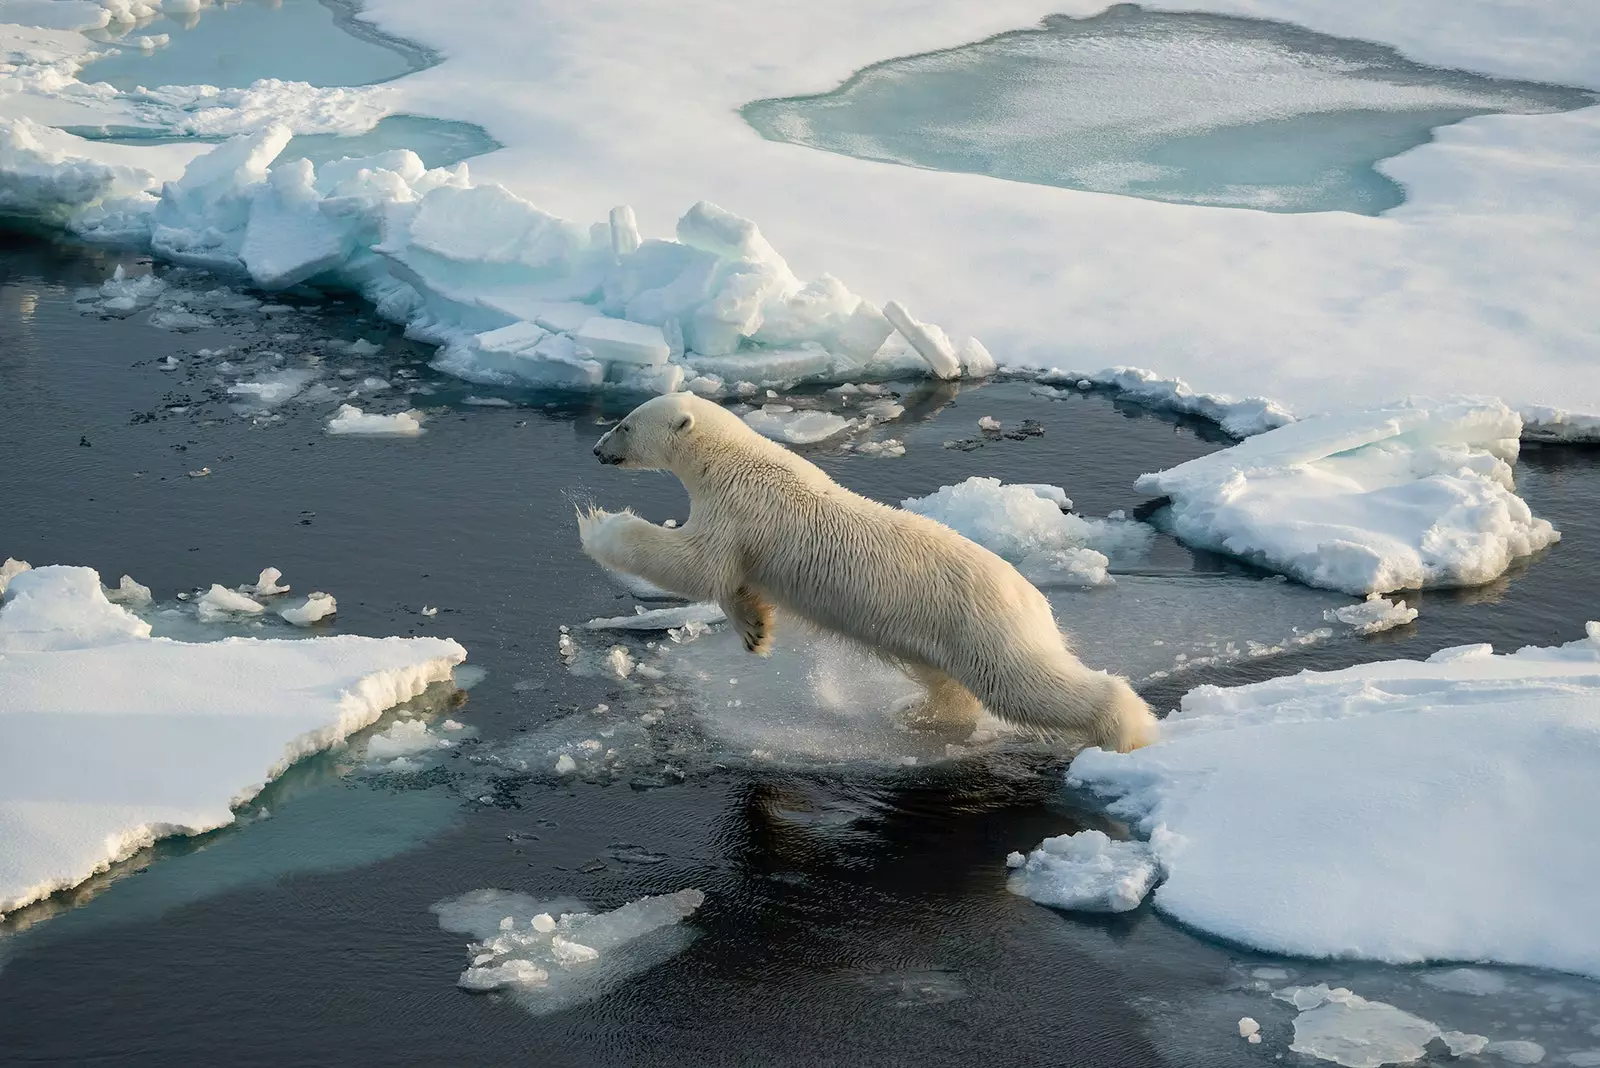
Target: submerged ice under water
(1189,108)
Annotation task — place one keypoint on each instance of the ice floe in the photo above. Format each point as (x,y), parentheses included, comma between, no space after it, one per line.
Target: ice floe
(111,738)
(1373,615)
(1086,872)
(552,955)
(1416,494)
(1328,814)
(350,420)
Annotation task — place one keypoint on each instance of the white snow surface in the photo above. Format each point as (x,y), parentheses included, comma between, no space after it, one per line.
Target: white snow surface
(1348,813)
(1490,263)
(110,738)
(1410,495)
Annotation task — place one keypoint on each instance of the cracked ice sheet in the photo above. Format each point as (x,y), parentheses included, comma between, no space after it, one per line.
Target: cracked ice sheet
(1490,264)
(93,768)
(1402,811)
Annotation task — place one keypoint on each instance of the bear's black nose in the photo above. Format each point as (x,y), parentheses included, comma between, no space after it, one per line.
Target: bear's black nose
(597,450)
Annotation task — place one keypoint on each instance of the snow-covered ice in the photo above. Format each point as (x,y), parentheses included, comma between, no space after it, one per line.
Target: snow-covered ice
(1411,495)
(350,420)
(1086,872)
(782,422)
(1338,814)
(111,738)
(552,955)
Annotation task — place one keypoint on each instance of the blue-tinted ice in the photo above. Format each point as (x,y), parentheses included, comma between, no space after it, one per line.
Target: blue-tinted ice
(1190,108)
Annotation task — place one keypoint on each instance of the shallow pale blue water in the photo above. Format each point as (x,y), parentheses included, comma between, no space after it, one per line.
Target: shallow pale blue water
(1189,108)
(232,45)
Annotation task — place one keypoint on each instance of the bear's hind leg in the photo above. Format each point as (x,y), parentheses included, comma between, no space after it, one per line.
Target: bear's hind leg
(946,705)
(753,617)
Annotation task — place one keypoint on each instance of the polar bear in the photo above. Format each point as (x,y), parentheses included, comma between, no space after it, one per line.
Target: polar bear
(769,529)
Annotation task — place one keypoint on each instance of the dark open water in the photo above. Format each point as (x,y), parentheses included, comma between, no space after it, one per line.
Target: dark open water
(851,918)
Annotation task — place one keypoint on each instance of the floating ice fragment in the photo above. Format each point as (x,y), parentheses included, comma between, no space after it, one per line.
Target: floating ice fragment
(782,423)
(565,764)
(1339,1026)
(128,592)
(1086,871)
(661,618)
(428,611)
(350,420)
(1374,614)
(1017,521)
(990,423)
(1474,981)
(619,661)
(220,603)
(929,341)
(1248,1027)
(266,584)
(317,606)
(1516,1051)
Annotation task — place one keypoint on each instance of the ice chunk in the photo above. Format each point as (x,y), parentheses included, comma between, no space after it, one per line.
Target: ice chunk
(266,584)
(220,603)
(782,423)
(1516,1051)
(1337,1025)
(288,238)
(565,765)
(1509,743)
(1372,615)
(1241,418)
(317,606)
(271,390)
(1018,523)
(1461,1044)
(624,231)
(1417,494)
(661,618)
(929,341)
(562,955)
(1087,872)
(10,570)
(121,294)
(93,769)
(1066,567)
(353,421)
(128,592)
(404,738)
(201,218)
(619,341)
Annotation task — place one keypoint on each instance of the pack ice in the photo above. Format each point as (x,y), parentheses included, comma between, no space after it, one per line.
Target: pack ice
(1401,811)
(1414,494)
(511,294)
(111,738)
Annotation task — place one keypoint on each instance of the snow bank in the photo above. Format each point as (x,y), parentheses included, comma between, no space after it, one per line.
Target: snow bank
(1416,494)
(1401,811)
(1029,526)
(553,955)
(110,738)
(350,420)
(511,293)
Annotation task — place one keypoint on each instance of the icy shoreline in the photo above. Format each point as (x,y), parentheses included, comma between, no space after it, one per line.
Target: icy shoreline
(95,767)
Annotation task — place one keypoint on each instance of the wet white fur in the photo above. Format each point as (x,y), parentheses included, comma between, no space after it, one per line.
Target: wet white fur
(767,527)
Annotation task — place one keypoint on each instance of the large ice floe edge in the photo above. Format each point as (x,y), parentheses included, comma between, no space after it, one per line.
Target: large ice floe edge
(1410,495)
(111,738)
(511,294)
(1402,811)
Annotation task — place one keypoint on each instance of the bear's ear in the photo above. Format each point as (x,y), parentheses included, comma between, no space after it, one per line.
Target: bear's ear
(685,421)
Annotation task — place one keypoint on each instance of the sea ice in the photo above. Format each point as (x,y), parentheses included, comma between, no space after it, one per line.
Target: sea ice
(1341,863)
(782,423)
(266,584)
(317,606)
(350,420)
(220,603)
(1372,615)
(1337,1025)
(92,768)
(1415,494)
(554,955)
(1026,525)
(661,618)
(1087,872)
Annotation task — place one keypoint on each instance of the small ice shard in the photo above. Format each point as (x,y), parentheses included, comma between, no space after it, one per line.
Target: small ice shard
(266,584)
(1516,1051)
(1248,1027)
(620,661)
(201,473)
(624,231)
(404,737)
(128,592)
(782,423)
(220,603)
(1462,1044)
(989,423)
(512,973)
(1087,871)
(428,610)
(317,606)
(928,340)
(661,618)
(544,923)
(565,765)
(1375,614)
(10,570)
(568,953)
(350,420)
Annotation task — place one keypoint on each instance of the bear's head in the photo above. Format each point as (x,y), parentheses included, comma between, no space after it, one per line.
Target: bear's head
(657,433)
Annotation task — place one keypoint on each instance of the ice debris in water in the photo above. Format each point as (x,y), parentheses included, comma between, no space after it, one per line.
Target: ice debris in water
(220,603)
(1474,981)
(10,570)
(989,423)
(352,420)
(120,294)
(404,738)
(511,293)
(565,765)
(782,423)
(266,584)
(1374,614)
(317,606)
(886,447)
(127,592)
(1026,524)
(619,661)
(1412,495)
(74,801)
(703,612)
(552,955)
(1516,1051)
(1337,1025)
(1249,1030)
(1086,871)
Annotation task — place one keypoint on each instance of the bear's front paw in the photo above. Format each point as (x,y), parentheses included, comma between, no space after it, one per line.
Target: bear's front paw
(600,533)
